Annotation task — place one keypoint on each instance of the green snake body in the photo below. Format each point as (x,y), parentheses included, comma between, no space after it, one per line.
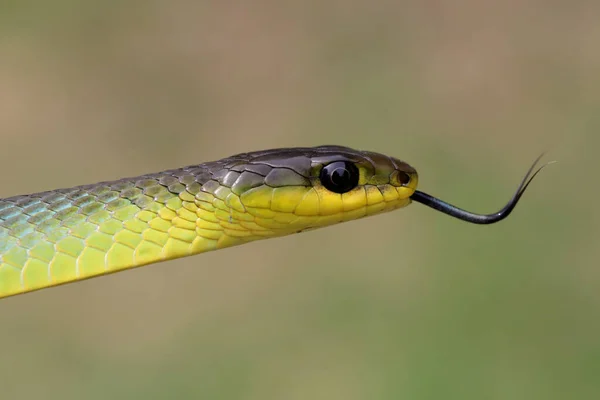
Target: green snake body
(65,235)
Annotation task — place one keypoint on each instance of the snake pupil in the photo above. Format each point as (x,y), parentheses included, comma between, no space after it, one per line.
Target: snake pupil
(339,176)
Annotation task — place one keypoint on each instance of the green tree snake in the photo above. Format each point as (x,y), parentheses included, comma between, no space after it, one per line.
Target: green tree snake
(66,235)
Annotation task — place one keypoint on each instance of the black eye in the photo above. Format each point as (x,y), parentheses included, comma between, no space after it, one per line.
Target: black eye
(339,176)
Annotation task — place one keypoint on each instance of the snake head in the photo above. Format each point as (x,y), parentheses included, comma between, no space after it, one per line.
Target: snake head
(291,190)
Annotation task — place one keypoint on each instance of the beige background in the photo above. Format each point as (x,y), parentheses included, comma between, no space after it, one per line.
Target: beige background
(410,305)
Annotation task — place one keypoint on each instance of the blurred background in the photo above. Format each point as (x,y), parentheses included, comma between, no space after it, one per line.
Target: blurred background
(408,305)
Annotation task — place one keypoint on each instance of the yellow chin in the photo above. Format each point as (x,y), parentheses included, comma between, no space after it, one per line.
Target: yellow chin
(265,212)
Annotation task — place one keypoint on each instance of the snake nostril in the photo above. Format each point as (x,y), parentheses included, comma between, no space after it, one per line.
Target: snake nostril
(400,178)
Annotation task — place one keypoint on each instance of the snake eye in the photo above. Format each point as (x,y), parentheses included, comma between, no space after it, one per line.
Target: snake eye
(339,176)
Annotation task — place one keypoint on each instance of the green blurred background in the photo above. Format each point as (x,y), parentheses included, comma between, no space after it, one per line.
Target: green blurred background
(408,305)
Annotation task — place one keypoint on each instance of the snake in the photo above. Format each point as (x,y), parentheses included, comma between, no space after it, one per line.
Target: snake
(66,235)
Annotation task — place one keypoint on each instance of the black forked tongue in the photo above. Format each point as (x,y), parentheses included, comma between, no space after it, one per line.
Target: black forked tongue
(482,219)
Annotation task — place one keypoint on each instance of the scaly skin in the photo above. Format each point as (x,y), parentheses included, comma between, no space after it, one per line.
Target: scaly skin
(66,235)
